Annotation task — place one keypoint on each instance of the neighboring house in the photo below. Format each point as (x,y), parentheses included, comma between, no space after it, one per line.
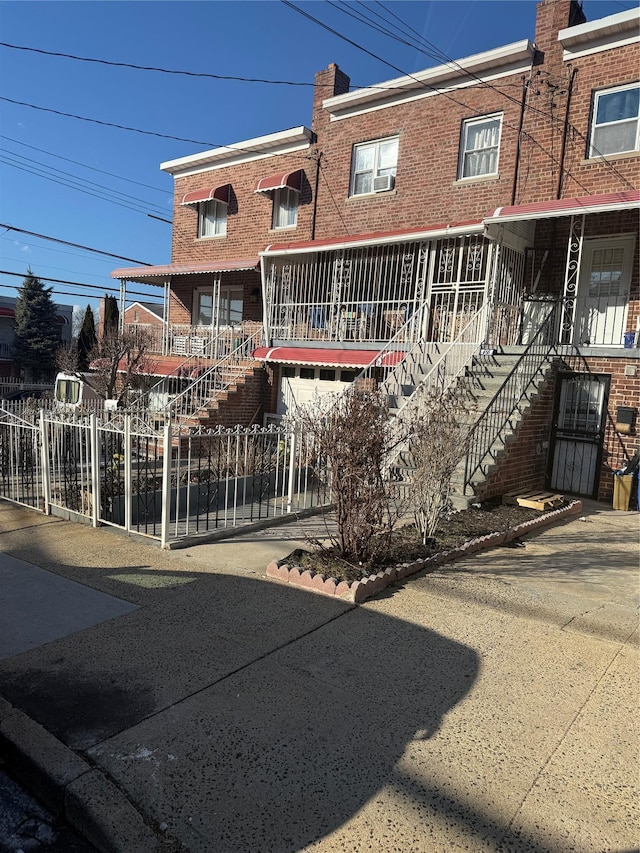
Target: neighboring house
(8,368)
(467,201)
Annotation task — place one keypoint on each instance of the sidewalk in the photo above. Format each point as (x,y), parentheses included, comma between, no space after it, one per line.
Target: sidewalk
(187,703)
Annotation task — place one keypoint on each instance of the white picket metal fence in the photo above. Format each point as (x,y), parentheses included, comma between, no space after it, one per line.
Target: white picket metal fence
(170,483)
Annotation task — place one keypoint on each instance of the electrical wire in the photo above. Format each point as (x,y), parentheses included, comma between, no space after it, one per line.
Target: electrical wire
(40,169)
(74,245)
(85,165)
(151,297)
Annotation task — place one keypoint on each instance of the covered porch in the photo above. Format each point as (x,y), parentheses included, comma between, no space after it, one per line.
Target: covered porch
(209,310)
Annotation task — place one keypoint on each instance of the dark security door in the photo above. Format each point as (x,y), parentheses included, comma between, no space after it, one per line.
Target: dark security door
(578,430)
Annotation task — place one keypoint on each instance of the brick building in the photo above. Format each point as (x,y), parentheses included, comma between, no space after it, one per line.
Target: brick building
(492,199)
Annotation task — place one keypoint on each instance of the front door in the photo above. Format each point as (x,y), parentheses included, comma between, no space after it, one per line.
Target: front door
(578,430)
(603,291)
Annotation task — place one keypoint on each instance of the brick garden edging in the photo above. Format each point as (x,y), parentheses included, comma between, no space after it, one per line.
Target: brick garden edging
(359,591)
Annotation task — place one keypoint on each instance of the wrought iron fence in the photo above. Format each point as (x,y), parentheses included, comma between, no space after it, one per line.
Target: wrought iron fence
(169,483)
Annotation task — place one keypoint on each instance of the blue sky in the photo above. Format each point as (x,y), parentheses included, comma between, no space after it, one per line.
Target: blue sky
(265,40)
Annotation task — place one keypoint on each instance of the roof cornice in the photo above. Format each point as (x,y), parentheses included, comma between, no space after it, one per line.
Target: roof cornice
(603,34)
(283,142)
(508,59)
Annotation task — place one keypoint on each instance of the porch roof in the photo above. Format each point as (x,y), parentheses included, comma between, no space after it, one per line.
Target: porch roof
(326,357)
(158,275)
(566,207)
(452,229)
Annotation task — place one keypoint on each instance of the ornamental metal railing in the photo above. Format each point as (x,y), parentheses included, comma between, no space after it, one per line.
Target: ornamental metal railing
(502,413)
(170,483)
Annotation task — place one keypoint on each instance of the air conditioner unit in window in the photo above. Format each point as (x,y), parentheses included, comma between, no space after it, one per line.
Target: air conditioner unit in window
(383,183)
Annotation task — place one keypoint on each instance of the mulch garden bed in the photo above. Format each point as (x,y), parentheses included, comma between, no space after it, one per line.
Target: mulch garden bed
(406,542)
(488,525)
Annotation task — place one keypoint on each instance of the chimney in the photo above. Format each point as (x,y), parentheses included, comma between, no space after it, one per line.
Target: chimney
(328,83)
(551,17)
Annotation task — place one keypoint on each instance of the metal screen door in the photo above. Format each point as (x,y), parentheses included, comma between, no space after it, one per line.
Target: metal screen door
(578,430)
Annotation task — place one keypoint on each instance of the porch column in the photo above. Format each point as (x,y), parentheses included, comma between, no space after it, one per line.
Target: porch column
(123,302)
(166,289)
(572,273)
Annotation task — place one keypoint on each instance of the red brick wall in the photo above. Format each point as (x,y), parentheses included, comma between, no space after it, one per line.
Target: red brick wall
(248,214)
(245,404)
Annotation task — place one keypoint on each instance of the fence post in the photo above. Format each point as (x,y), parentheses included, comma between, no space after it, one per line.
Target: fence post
(165,517)
(128,478)
(95,469)
(293,447)
(44,456)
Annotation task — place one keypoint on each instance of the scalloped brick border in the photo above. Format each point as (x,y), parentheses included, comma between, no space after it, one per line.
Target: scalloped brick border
(359,591)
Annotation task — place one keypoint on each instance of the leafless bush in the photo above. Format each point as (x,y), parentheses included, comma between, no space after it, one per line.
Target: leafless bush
(438,439)
(352,441)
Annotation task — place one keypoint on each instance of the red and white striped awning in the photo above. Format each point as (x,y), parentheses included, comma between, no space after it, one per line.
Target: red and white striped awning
(566,207)
(220,193)
(326,357)
(293,180)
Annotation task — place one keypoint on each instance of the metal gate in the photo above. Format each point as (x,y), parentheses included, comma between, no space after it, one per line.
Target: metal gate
(578,431)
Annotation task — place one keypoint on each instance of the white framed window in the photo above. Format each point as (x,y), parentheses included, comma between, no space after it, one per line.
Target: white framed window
(373,166)
(212,219)
(226,310)
(480,146)
(616,121)
(285,208)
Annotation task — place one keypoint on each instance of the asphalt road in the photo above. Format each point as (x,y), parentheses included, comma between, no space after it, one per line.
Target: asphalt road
(25,825)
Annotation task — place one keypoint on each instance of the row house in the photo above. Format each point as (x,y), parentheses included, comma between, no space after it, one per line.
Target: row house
(487,205)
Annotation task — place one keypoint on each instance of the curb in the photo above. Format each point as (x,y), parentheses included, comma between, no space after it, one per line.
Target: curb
(71,787)
(360,590)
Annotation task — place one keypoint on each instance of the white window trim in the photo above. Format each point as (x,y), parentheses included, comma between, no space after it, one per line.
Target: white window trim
(594,154)
(277,207)
(220,208)
(376,167)
(467,123)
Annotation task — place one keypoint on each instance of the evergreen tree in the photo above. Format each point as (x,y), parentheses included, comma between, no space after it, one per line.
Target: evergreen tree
(87,339)
(37,335)
(111,314)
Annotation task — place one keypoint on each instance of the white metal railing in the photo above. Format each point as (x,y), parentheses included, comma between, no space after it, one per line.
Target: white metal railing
(169,483)
(366,294)
(216,378)
(427,365)
(193,341)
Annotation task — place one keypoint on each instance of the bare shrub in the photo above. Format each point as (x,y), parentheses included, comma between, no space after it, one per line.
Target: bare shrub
(438,439)
(352,440)
(120,363)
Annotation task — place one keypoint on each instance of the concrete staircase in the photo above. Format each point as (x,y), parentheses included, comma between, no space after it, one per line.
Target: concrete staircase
(482,380)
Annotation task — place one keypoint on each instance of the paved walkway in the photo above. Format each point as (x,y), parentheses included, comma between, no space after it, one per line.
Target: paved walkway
(489,706)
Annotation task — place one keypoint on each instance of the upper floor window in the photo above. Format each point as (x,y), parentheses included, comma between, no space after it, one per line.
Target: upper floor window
(285,208)
(480,146)
(212,219)
(616,123)
(374,166)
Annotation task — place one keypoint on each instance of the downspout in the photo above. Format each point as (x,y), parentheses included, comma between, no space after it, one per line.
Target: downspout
(565,132)
(516,172)
(318,157)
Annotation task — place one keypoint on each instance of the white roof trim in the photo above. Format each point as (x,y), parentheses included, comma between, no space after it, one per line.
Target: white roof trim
(283,142)
(603,34)
(497,219)
(446,231)
(509,59)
